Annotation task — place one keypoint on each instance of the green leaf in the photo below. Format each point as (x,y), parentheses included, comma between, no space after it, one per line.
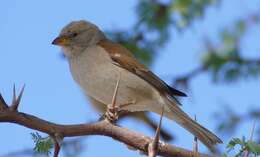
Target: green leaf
(42,145)
(253,147)
(234,142)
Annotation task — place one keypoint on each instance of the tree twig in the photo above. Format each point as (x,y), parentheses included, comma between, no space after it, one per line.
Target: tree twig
(134,139)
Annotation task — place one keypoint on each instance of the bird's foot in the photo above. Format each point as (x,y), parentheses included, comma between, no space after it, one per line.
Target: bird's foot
(111,114)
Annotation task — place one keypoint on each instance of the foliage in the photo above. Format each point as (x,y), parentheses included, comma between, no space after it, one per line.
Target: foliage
(245,147)
(225,61)
(155,19)
(43,145)
(185,11)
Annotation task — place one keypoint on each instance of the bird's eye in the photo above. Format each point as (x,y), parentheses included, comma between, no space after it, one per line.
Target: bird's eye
(74,34)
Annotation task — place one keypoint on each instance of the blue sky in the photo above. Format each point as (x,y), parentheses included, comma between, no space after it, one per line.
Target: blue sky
(27,57)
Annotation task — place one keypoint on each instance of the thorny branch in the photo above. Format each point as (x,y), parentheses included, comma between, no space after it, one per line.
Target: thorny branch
(153,146)
(131,138)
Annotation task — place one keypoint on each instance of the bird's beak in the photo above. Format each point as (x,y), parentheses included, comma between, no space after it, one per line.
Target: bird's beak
(61,41)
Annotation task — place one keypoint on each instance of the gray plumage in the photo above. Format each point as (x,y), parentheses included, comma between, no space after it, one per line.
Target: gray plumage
(95,63)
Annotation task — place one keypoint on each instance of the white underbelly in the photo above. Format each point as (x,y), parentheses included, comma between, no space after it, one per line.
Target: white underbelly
(97,75)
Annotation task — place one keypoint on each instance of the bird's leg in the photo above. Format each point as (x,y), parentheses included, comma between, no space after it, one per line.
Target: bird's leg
(112,110)
(111,113)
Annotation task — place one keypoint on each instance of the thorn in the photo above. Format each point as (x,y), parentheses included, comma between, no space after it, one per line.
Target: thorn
(115,92)
(2,101)
(57,144)
(20,95)
(16,100)
(157,134)
(251,138)
(112,109)
(56,149)
(195,142)
(14,95)
(3,104)
(153,146)
(252,131)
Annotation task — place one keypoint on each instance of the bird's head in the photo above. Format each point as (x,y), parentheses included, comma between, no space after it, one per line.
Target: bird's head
(77,36)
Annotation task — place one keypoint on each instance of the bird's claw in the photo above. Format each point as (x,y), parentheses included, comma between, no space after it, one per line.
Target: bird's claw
(112,113)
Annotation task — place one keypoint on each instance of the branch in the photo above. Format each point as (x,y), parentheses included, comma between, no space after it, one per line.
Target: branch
(131,138)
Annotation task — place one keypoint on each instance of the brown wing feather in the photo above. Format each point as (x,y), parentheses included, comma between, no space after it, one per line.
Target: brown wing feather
(125,59)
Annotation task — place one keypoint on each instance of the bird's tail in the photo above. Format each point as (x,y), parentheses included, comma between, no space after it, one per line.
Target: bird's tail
(203,134)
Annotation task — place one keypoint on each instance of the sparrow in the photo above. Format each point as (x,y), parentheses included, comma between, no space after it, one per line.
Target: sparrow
(96,63)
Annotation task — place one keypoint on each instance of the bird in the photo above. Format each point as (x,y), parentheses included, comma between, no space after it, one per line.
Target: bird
(96,64)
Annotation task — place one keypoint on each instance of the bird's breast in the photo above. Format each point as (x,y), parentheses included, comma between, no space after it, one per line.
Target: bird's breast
(95,72)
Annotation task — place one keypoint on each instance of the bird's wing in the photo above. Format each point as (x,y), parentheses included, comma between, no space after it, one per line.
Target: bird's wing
(125,59)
